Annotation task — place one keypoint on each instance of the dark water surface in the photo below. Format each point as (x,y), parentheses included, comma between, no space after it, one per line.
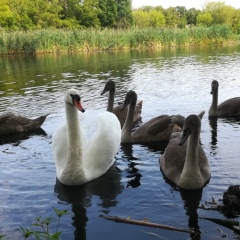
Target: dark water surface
(168,82)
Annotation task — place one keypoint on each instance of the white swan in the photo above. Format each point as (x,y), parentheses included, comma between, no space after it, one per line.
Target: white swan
(110,87)
(184,162)
(78,161)
(228,108)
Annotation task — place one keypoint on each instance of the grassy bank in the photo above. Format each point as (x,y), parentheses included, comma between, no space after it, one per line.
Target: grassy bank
(60,40)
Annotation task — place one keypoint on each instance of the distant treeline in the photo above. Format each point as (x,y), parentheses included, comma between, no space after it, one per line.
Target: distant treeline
(40,26)
(99,14)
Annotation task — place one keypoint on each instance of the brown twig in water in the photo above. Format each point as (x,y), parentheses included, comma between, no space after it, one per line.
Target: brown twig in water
(148,224)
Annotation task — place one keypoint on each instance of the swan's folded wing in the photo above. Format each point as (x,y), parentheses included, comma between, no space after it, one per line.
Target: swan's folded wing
(10,123)
(99,154)
(158,124)
(60,146)
(178,120)
(230,107)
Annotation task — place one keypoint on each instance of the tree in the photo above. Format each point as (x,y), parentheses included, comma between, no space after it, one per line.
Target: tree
(171,17)
(68,8)
(21,10)
(152,18)
(86,13)
(156,19)
(124,14)
(221,13)
(204,19)
(147,8)
(141,18)
(29,14)
(181,10)
(159,8)
(6,15)
(191,16)
(108,13)
(236,22)
(45,13)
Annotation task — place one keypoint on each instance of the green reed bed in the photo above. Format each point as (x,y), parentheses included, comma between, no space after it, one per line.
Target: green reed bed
(218,34)
(62,40)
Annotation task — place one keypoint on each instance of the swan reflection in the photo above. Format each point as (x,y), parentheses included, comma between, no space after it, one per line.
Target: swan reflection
(15,138)
(213,122)
(132,170)
(107,188)
(191,200)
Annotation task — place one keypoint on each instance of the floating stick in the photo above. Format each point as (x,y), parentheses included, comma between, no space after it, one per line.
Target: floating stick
(148,224)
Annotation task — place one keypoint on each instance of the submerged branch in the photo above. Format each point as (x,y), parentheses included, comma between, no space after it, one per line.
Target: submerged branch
(148,224)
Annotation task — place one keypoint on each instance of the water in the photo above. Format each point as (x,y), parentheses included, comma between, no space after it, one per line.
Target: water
(169,82)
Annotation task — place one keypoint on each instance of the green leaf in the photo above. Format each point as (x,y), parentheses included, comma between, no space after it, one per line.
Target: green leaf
(26,232)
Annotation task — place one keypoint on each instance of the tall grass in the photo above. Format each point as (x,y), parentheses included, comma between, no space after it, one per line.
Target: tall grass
(60,40)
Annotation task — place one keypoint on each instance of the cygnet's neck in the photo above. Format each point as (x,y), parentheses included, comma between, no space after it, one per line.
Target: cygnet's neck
(111,96)
(127,127)
(192,149)
(191,174)
(213,109)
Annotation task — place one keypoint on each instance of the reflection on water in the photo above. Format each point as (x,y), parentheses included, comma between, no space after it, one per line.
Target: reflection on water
(191,201)
(79,199)
(214,128)
(17,137)
(213,123)
(132,170)
(133,163)
(169,81)
(107,187)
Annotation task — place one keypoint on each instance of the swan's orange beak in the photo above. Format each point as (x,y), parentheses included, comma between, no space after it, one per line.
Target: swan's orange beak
(78,105)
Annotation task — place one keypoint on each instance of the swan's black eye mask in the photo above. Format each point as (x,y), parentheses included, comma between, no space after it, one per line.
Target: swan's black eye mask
(77,102)
(75,97)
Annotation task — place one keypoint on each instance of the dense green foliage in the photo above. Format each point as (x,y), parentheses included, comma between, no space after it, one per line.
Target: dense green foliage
(37,14)
(213,13)
(59,40)
(34,26)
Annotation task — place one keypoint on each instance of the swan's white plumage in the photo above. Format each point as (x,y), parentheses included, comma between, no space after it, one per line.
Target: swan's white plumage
(89,159)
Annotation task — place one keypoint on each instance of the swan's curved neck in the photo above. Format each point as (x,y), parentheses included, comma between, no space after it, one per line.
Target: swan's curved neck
(74,155)
(213,109)
(127,127)
(191,173)
(111,96)
(192,149)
